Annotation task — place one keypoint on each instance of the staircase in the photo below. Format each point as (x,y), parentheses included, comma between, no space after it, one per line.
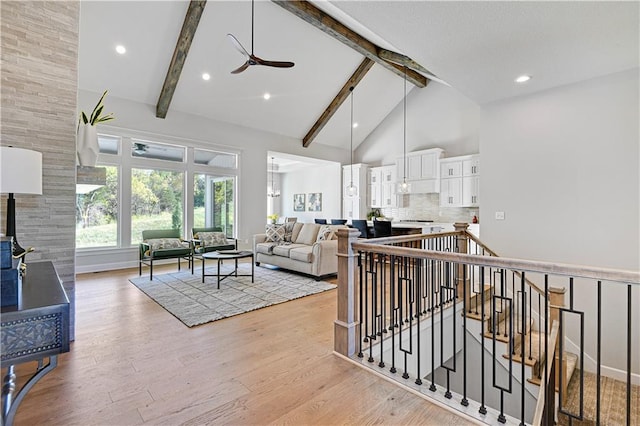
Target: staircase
(443,316)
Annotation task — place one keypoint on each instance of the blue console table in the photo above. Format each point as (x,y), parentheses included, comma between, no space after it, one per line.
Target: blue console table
(35,329)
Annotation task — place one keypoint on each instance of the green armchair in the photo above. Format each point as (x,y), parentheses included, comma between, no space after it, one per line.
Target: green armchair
(203,246)
(162,244)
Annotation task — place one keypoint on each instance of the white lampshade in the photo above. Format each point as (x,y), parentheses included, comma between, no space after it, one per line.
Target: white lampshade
(20,171)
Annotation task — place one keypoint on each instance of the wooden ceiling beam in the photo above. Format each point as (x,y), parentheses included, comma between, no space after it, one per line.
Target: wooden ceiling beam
(189,27)
(342,95)
(319,19)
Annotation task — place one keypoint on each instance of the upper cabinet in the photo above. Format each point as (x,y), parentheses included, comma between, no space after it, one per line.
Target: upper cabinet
(460,181)
(382,186)
(422,170)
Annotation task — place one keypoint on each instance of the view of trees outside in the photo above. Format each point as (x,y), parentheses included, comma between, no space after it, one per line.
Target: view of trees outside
(199,189)
(221,211)
(97,214)
(156,201)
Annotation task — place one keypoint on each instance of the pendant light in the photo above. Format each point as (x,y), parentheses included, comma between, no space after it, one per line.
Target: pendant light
(404,187)
(273,192)
(352,190)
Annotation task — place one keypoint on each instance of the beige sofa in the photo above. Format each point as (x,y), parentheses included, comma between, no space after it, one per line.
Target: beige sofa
(308,248)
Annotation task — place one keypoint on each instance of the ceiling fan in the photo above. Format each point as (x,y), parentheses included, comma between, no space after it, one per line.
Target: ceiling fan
(251,58)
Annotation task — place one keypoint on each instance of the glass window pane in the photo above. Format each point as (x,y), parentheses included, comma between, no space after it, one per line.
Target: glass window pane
(109,144)
(97,214)
(156,201)
(223,160)
(214,202)
(157,151)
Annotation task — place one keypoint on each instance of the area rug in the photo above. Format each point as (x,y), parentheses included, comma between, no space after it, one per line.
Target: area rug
(194,303)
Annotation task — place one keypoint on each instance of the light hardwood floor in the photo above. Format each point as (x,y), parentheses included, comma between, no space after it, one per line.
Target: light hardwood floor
(133,363)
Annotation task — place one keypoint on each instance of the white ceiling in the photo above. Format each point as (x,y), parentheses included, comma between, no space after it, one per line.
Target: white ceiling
(477,47)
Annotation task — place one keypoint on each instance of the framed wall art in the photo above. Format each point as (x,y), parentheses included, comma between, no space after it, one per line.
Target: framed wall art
(298,202)
(314,202)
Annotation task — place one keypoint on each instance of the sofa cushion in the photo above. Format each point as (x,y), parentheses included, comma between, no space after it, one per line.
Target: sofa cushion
(156,244)
(297,226)
(266,248)
(212,238)
(284,249)
(275,233)
(308,234)
(303,254)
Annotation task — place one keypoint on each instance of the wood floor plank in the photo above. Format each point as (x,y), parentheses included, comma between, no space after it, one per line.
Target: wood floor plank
(134,363)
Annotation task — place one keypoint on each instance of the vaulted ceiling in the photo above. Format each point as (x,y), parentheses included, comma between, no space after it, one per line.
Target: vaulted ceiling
(477,47)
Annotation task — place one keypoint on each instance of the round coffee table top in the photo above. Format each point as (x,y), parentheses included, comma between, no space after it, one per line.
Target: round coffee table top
(227,254)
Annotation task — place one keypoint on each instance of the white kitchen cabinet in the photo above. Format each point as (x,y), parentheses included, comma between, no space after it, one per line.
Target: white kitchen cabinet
(451,192)
(460,181)
(471,166)
(382,186)
(355,207)
(423,170)
(471,191)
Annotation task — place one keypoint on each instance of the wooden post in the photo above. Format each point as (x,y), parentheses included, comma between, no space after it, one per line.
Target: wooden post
(462,279)
(344,330)
(556,301)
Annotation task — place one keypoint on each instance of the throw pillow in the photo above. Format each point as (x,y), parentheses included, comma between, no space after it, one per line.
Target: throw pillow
(288,231)
(325,233)
(164,243)
(208,239)
(275,233)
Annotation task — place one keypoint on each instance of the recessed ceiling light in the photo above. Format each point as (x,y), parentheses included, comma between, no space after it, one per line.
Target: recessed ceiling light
(206,76)
(266,96)
(121,49)
(523,78)
(355,125)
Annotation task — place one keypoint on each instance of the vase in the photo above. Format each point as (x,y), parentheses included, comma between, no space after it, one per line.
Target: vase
(87,145)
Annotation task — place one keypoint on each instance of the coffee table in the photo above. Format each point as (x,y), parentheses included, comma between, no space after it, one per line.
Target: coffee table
(227,255)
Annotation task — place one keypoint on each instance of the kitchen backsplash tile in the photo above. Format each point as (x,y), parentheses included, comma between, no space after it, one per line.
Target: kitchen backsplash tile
(427,207)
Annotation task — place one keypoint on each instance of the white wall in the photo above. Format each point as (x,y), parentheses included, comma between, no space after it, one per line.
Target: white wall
(325,179)
(437,117)
(563,166)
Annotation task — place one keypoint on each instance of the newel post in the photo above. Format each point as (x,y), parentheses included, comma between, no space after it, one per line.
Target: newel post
(463,279)
(344,329)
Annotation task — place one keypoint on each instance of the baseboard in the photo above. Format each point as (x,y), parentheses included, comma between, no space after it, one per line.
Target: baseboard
(590,365)
(103,267)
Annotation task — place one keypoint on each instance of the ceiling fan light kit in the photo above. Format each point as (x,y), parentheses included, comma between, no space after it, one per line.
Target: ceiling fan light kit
(251,58)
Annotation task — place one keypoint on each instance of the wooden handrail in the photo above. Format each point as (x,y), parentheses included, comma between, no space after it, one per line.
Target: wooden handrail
(548,371)
(604,274)
(493,253)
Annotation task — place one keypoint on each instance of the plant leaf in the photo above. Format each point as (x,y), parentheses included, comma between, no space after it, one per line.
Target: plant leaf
(95,115)
(84,118)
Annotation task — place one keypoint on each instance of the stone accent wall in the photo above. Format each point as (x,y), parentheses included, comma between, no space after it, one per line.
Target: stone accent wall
(39,79)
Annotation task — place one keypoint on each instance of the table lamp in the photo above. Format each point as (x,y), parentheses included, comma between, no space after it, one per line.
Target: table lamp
(20,173)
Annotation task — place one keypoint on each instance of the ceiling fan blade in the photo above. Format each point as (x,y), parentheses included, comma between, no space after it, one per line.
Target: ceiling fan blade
(277,64)
(241,68)
(238,46)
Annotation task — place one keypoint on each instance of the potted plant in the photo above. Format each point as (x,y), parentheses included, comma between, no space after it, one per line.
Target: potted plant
(273,217)
(87,143)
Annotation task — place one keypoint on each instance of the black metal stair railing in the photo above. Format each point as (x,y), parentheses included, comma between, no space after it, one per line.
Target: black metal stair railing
(473,328)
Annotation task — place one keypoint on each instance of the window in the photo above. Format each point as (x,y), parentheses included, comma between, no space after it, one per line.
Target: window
(222,160)
(151,176)
(156,201)
(214,202)
(157,151)
(97,214)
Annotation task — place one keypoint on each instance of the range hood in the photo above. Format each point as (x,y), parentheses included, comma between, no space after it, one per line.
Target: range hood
(90,178)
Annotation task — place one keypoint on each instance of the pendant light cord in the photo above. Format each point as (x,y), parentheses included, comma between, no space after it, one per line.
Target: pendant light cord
(252,7)
(351,146)
(404,132)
